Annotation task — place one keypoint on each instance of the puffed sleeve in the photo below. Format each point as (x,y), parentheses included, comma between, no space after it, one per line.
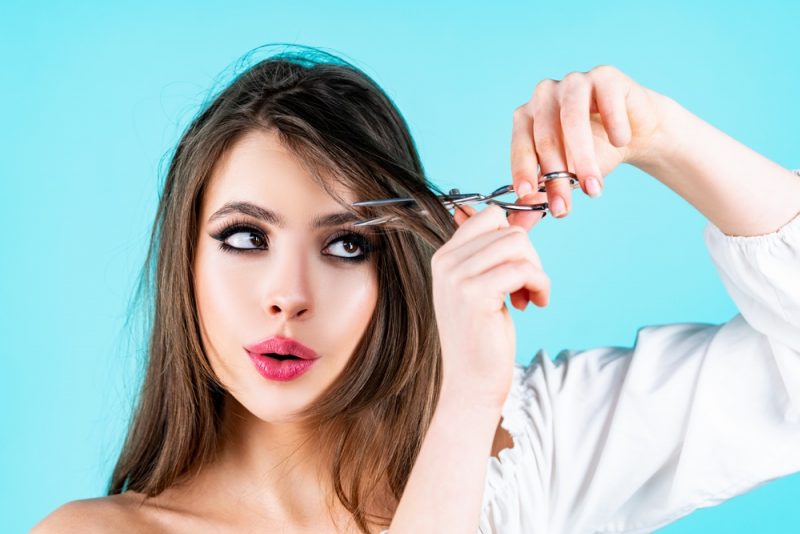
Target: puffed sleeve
(630,439)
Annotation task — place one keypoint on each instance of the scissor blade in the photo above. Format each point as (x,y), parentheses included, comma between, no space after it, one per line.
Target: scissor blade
(384,202)
(384,219)
(375,221)
(445,199)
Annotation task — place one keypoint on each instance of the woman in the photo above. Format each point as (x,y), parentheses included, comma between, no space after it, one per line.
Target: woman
(305,374)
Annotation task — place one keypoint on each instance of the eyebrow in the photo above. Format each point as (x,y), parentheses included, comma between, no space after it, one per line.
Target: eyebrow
(271,217)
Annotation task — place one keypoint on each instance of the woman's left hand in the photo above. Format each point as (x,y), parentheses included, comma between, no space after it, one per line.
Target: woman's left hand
(587,124)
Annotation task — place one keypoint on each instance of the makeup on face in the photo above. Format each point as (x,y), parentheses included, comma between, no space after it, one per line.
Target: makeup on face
(278,255)
(281,359)
(277,358)
(232,235)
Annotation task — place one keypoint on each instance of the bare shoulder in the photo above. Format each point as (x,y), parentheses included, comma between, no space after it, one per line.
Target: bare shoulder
(97,516)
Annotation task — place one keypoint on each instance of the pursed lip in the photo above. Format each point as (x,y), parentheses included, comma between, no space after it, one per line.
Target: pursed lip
(282,345)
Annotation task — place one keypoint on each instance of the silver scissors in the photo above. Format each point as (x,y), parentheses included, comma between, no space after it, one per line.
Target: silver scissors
(455,198)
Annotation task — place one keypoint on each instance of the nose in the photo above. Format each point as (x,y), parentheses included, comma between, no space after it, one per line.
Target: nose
(289,289)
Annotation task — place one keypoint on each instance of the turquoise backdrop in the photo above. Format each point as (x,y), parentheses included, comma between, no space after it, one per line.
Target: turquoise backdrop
(95,93)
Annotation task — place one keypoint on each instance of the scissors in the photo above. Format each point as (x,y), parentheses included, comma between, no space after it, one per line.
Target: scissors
(455,198)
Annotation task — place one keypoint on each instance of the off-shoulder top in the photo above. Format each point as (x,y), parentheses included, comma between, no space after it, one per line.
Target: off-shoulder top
(613,439)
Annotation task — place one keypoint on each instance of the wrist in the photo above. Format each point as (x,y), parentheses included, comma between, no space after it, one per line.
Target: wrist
(661,143)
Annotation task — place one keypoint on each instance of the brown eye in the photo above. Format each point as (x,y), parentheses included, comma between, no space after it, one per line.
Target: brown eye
(239,237)
(245,240)
(349,246)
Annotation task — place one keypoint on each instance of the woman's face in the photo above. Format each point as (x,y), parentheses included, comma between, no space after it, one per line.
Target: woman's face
(294,275)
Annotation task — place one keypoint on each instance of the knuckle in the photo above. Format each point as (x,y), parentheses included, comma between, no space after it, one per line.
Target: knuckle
(574,78)
(518,268)
(604,71)
(544,87)
(544,277)
(520,112)
(547,143)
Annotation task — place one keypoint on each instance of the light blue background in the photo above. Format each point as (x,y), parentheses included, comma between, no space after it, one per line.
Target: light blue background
(94,94)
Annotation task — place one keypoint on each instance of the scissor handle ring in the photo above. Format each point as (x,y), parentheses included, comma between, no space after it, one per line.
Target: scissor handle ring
(508,206)
(574,183)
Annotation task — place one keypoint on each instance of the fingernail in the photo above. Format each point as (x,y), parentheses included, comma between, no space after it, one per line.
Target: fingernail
(557,206)
(523,189)
(593,187)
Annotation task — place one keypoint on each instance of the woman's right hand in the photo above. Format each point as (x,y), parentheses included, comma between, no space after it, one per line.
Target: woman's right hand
(485,259)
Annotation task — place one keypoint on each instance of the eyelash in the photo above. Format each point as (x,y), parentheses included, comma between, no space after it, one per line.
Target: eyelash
(235,227)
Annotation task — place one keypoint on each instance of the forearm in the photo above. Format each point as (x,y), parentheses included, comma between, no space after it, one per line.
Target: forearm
(444,492)
(740,191)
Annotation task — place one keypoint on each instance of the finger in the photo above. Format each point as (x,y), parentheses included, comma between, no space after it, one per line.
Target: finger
(487,220)
(462,213)
(513,276)
(524,163)
(611,91)
(520,298)
(487,251)
(549,146)
(576,99)
(528,219)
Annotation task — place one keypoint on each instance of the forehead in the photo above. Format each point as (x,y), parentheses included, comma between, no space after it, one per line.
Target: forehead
(258,168)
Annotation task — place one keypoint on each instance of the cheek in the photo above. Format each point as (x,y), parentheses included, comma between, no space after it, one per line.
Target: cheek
(347,301)
(222,306)
(230,311)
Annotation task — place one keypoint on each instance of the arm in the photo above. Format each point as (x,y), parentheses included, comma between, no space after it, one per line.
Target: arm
(591,122)
(472,273)
(693,414)
(740,191)
(629,440)
(445,489)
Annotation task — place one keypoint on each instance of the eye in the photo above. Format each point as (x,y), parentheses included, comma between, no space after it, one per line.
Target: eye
(244,240)
(352,246)
(239,237)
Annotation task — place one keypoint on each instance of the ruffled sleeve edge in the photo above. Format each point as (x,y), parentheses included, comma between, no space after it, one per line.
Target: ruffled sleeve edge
(788,232)
(515,421)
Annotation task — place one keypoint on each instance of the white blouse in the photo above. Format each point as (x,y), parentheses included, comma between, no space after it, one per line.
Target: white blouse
(630,439)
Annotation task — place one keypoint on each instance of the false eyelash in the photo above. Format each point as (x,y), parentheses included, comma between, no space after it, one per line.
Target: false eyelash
(234,227)
(241,225)
(356,237)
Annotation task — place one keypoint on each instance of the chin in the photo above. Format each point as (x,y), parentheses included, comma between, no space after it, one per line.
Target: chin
(276,406)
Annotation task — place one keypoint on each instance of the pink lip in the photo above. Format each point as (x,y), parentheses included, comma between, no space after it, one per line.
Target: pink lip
(282,345)
(274,369)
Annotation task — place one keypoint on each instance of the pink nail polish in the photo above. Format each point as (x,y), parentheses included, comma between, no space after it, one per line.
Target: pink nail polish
(557,206)
(593,187)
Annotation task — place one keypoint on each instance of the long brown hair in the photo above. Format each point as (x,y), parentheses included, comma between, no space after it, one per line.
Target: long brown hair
(373,418)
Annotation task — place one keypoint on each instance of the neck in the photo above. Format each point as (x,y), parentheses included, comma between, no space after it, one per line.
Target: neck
(271,470)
